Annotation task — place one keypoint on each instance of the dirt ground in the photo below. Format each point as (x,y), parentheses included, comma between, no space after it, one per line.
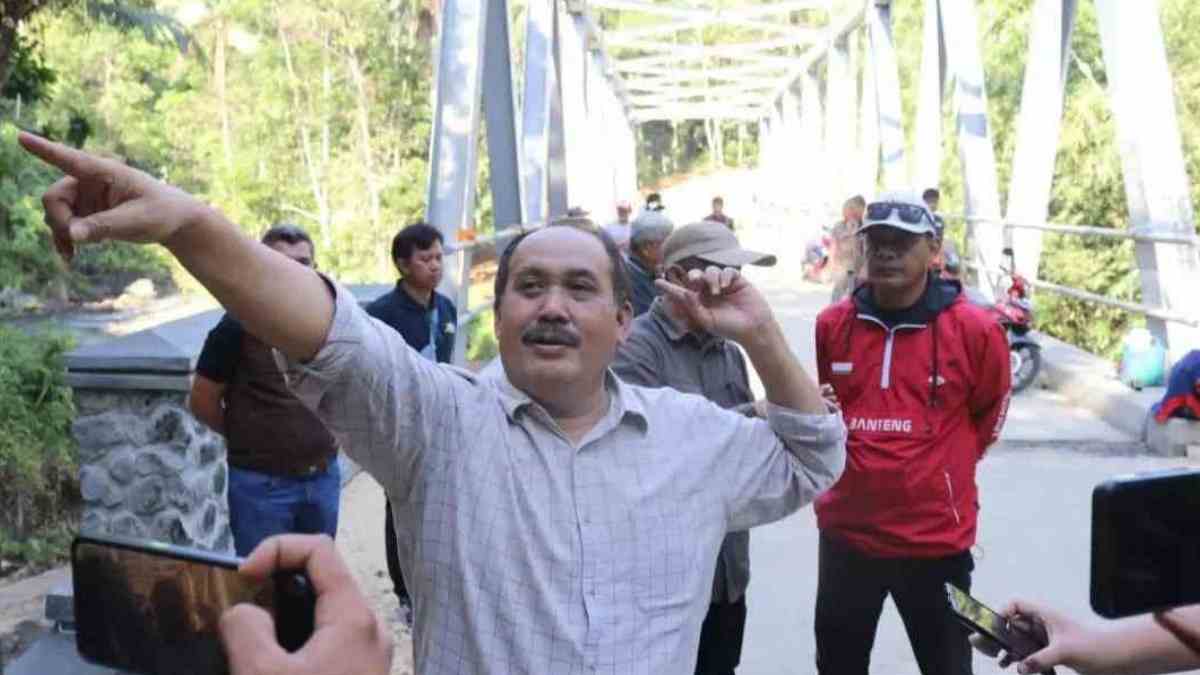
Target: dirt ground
(360,539)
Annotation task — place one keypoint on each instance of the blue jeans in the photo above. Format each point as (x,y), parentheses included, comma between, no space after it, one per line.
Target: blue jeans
(262,505)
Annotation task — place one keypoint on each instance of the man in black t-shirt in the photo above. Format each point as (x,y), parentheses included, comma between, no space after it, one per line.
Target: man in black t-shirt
(283,470)
(427,320)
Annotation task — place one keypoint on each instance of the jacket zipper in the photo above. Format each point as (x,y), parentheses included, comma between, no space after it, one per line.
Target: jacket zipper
(885,376)
(950,490)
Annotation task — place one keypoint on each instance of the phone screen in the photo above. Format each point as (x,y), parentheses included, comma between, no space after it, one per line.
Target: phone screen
(983,620)
(154,610)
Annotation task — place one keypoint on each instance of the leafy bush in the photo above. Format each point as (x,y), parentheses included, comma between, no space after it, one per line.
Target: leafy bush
(38,463)
(481,338)
(27,259)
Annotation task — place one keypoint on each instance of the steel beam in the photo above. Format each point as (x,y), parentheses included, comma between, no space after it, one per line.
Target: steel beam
(538,120)
(812,122)
(581,163)
(1038,127)
(499,105)
(839,115)
(887,95)
(453,159)
(1156,181)
(868,126)
(981,194)
(929,99)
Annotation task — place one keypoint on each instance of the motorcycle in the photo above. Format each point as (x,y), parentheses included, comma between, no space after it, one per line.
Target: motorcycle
(1015,313)
(816,259)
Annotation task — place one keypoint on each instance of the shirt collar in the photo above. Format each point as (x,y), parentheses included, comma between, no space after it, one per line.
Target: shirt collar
(623,403)
(407,300)
(674,331)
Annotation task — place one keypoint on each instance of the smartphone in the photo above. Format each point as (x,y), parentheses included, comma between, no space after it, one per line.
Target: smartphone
(980,619)
(152,608)
(1146,543)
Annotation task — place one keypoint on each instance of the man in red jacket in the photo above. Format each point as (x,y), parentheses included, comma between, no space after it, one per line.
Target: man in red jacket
(923,380)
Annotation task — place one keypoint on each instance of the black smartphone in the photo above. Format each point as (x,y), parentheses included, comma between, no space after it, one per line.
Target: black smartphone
(980,619)
(147,607)
(1146,543)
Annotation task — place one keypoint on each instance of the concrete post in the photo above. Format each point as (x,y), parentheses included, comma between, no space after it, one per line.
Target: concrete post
(1156,181)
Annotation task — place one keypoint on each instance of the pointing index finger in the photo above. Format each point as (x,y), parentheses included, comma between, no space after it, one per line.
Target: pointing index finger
(71,161)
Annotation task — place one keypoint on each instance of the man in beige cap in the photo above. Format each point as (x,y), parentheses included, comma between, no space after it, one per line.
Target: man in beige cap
(665,349)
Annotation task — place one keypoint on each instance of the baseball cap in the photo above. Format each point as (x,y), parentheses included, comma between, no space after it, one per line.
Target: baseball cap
(903,210)
(713,242)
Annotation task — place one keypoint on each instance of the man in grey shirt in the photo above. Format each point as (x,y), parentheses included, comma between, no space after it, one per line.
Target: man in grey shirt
(664,350)
(549,521)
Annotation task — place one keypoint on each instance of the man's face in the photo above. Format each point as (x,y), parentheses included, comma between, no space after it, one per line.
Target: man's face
(932,203)
(557,321)
(422,269)
(651,254)
(718,207)
(623,214)
(301,251)
(852,214)
(897,259)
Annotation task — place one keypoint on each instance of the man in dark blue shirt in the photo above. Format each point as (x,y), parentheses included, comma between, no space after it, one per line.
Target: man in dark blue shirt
(427,320)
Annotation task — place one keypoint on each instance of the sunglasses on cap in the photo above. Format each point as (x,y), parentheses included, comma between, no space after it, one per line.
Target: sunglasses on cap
(906,213)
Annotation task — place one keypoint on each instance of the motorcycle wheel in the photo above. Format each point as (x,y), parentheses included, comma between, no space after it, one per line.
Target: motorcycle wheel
(1026,363)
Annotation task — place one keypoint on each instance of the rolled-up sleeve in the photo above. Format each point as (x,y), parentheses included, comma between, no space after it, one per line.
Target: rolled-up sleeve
(784,464)
(387,406)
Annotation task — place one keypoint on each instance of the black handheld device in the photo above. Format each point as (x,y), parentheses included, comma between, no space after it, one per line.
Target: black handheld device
(1146,543)
(148,607)
(981,619)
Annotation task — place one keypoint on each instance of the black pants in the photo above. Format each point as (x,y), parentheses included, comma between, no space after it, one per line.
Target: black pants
(851,588)
(721,638)
(393,560)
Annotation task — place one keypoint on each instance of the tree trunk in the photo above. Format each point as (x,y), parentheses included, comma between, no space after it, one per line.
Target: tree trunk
(314,171)
(8,42)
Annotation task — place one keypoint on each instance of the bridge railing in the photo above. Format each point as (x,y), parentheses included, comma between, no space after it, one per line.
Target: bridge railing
(1143,309)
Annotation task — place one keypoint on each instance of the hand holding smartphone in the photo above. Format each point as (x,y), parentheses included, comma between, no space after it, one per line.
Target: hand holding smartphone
(151,608)
(1018,642)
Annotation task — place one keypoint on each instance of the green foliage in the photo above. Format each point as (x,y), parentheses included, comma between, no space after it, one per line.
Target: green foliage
(481,338)
(37,454)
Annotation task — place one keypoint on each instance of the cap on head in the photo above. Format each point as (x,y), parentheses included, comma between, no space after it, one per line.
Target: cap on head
(650,226)
(875,215)
(713,242)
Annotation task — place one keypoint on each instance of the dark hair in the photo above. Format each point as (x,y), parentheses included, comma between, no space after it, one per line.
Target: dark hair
(655,199)
(931,193)
(718,200)
(620,277)
(289,234)
(418,236)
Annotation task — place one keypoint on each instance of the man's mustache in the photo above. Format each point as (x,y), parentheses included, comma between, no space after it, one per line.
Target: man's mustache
(550,334)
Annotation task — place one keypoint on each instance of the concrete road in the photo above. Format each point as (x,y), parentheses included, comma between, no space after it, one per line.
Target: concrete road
(1034,535)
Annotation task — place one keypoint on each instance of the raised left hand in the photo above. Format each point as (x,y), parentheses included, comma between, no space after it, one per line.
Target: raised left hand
(720,301)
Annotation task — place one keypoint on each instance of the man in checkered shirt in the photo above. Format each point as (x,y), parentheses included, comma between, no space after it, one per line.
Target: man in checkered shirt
(552,521)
